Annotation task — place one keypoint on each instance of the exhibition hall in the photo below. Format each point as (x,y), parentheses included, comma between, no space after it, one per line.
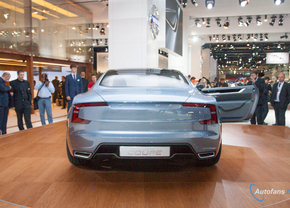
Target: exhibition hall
(144,103)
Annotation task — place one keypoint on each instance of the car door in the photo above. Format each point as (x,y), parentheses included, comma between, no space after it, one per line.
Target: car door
(235,103)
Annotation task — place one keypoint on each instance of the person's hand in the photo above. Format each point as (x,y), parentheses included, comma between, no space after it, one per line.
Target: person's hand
(10,87)
(11,93)
(68,97)
(46,83)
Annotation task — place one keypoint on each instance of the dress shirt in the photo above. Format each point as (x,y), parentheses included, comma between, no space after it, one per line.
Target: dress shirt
(74,76)
(279,87)
(45,91)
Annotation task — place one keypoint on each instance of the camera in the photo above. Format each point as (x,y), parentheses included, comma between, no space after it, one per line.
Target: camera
(46,78)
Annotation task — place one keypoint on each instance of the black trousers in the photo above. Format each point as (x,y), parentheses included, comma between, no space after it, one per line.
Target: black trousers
(3,119)
(265,111)
(27,117)
(279,114)
(258,116)
(54,97)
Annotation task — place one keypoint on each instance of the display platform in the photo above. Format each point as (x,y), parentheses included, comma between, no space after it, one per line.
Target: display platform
(35,172)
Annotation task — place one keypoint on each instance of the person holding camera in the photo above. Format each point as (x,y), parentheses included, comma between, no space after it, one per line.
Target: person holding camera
(45,89)
(21,100)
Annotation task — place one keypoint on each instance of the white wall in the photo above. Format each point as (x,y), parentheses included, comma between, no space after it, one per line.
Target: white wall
(195,58)
(209,66)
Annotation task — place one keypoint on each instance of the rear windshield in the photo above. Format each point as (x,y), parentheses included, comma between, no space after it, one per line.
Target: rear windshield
(144,78)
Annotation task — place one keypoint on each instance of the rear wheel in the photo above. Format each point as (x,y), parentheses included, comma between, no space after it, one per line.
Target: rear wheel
(76,161)
(209,161)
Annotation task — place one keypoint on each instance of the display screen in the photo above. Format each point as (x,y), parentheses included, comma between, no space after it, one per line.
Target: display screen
(278,58)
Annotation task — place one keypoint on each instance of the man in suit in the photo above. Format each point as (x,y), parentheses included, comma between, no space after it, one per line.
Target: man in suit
(55,83)
(21,100)
(4,101)
(280,99)
(73,85)
(260,84)
(85,82)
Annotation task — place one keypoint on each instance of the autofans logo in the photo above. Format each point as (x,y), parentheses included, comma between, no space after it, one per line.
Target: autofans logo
(259,194)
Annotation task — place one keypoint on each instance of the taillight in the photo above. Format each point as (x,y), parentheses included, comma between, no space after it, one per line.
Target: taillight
(212,109)
(76,110)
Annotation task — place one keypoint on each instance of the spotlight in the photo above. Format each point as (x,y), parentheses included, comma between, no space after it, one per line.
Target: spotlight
(266,18)
(234,37)
(197,24)
(224,38)
(243,2)
(227,24)
(207,22)
(256,37)
(266,36)
(209,4)
(183,3)
(280,20)
(240,21)
(209,38)
(248,37)
(284,36)
(279,45)
(261,37)
(273,20)
(97,27)
(203,21)
(229,37)
(102,31)
(240,37)
(217,38)
(278,2)
(218,22)
(259,21)
(213,37)
(248,22)
(194,2)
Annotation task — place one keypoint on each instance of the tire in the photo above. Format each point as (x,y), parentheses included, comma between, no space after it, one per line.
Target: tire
(76,161)
(209,161)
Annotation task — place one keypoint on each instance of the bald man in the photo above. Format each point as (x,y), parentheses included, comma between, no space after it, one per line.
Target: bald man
(280,99)
(4,101)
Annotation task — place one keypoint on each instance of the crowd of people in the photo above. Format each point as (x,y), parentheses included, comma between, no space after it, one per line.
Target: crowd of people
(18,95)
(276,92)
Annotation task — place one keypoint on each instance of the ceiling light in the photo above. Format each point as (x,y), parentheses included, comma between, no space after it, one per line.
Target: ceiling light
(240,21)
(203,21)
(194,2)
(278,2)
(197,24)
(227,23)
(261,37)
(243,2)
(284,36)
(229,37)
(273,20)
(266,36)
(234,37)
(218,22)
(183,3)
(217,38)
(279,45)
(213,37)
(97,27)
(266,18)
(280,20)
(210,38)
(259,21)
(102,31)
(209,4)
(224,38)
(207,22)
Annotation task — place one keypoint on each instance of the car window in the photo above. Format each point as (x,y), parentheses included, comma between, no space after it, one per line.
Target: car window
(144,78)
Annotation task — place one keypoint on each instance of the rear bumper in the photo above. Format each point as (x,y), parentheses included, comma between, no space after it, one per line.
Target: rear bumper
(201,144)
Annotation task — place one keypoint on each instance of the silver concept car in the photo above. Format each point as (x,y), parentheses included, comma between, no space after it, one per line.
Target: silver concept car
(153,114)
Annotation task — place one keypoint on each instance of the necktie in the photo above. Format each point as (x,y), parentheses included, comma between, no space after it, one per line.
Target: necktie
(279,84)
(74,77)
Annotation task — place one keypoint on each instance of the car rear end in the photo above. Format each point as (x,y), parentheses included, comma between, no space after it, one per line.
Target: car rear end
(143,122)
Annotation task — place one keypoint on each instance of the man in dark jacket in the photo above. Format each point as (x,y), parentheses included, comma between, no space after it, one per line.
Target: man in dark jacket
(73,85)
(55,83)
(21,100)
(280,99)
(63,91)
(4,102)
(260,84)
(85,82)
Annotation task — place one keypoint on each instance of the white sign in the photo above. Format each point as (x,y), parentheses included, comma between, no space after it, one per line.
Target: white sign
(278,58)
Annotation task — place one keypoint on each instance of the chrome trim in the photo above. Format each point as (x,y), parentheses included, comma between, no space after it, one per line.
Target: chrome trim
(85,155)
(212,154)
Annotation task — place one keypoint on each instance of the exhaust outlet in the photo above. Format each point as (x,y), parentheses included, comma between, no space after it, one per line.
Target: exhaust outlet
(85,155)
(206,155)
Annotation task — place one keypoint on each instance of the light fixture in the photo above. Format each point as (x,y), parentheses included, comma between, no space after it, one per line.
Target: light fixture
(284,36)
(207,22)
(227,23)
(102,31)
(273,20)
(278,2)
(266,18)
(229,37)
(235,38)
(218,22)
(97,27)
(194,2)
(279,45)
(261,37)
(266,36)
(209,38)
(107,25)
(243,2)
(209,4)
(203,21)
(248,22)
(259,21)
(224,38)
(217,38)
(280,20)
(240,21)
(183,3)
(197,24)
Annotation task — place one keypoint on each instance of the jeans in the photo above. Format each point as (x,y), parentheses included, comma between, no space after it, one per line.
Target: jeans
(45,104)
